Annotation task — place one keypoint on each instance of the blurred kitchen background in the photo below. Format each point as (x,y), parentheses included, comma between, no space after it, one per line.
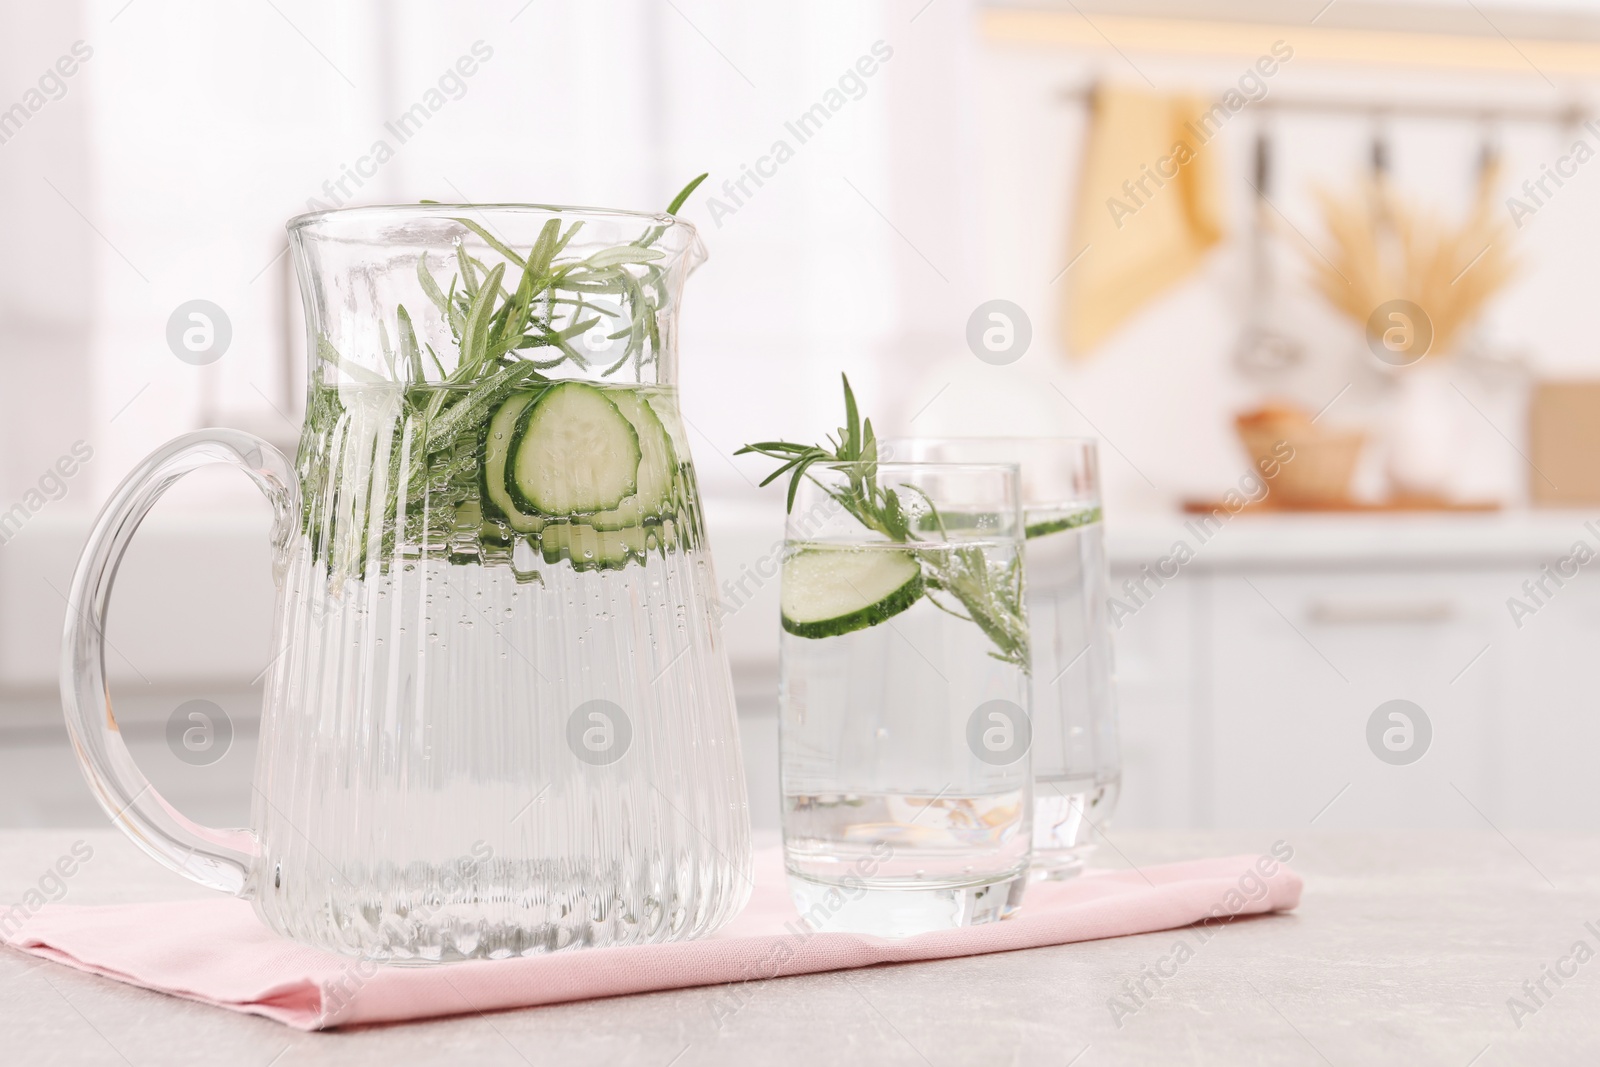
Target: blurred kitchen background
(1343,154)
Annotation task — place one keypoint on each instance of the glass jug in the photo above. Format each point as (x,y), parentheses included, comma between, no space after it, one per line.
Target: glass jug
(499,718)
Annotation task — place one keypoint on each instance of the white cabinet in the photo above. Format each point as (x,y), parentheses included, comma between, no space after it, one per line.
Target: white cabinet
(1301,661)
(1165,776)
(1546,738)
(1247,683)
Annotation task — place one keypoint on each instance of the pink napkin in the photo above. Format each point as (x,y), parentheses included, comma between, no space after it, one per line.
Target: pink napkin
(217,952)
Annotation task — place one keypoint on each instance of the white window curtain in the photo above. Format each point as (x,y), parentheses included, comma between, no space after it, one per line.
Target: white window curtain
(210,125)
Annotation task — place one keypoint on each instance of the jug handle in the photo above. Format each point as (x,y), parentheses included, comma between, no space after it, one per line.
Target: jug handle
(218,859)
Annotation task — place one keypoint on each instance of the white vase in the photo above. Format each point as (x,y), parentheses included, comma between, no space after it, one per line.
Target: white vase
(1426,432)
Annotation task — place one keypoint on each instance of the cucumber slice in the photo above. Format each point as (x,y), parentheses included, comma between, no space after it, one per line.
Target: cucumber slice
(1045,527)
(496,449)
(572,453)
(616,548)
(555,541)
(663,537)
(652,499)
(832,591)
(588,549)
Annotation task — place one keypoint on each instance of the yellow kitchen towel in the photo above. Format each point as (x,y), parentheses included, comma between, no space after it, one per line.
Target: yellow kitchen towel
(1149,207)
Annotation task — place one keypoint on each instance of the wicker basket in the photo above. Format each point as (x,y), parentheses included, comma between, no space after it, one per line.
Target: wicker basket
(1319,472)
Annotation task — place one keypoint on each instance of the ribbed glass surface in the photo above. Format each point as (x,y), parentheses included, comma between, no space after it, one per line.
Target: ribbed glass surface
(471,749)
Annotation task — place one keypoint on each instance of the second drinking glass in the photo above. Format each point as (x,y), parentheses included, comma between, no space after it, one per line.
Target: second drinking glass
(1077,766)
(904,701)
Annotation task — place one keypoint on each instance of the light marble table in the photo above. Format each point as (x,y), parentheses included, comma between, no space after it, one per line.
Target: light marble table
(1405,950)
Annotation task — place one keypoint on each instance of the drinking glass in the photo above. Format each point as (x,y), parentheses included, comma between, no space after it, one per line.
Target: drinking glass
(907,801)
(498,716)
(1077,767)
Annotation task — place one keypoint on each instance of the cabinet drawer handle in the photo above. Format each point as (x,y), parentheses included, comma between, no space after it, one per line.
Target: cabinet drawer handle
(1354,613)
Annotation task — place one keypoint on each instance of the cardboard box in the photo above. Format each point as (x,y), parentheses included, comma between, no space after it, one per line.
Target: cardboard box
(1564,443)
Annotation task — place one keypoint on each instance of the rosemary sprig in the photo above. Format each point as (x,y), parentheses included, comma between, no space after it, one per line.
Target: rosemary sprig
(551,304)
(990,594)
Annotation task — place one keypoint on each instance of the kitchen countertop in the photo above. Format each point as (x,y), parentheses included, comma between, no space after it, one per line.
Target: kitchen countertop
(1405,950)
(195,598)
(742,530)
(1409,539)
